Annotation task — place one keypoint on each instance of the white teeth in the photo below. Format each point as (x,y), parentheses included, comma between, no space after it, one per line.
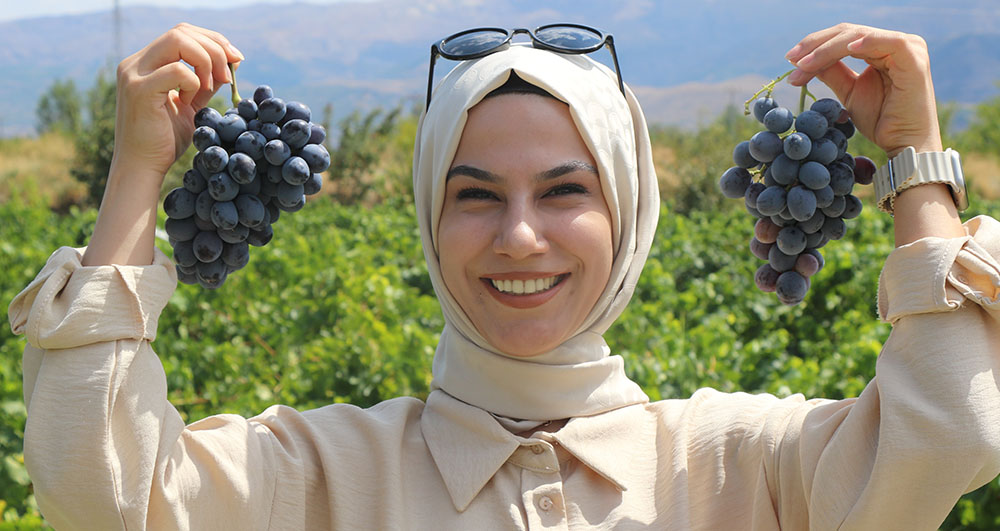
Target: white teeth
(525,287)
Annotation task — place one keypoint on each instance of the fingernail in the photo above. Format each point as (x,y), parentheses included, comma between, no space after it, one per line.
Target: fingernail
(794,52)
(234,51)
(796,76)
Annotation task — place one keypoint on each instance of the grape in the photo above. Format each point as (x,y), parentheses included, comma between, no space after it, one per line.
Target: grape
(253,125)
(806,265)
(315,184)
(207,246)
(838,139)
(295,170)
(812,224)
(749,198)
(179,203)
(206,223)
(296,111)
(295,133)
(765,146)
(203,205)
(184,254)
(766,278)
(852,207)
(834,228)
(742,157)
(797,146)
(211,275)
(846,127)
(222,187)
(205,137)
(814,175)
(208,117)
(818,256)
(295,206)
(829,108)
(733,183)
(816,239)
(247,109)
(251,143)
(759,248)
(812,124)
(270,131)
(864,170)
(181,229)
(778,120)
(841,178)
(791,288)
(277,152)
(791,241)
(765,230)
(317,134)
(215,159)
(187,277)
(194,182)
(231,127)
(823,151)
(260,238)
(236,234)
(780,261)
(251,211)
(784,169)
(761,106)
(771,201)
(271,110)
(801,203)
(253,187)
(824,196)
(224,215)
(836,207)
(242,168)
(236,255)
(261,93)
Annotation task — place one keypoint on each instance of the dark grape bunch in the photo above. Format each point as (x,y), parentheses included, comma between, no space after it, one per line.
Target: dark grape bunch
(259,159)
(796,179)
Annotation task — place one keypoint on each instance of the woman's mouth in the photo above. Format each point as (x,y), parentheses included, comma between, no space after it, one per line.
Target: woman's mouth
(526,287)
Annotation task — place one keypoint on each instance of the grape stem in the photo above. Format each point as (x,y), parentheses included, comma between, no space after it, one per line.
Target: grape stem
(236,93)
(802,98)
(768,88)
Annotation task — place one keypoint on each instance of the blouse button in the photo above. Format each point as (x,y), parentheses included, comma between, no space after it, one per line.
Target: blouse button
(545,503)
(537,449)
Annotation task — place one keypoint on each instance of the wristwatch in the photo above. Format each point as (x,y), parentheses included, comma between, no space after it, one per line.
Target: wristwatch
(909,169)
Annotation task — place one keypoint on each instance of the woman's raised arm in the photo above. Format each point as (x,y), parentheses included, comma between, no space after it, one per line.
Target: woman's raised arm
(158,96)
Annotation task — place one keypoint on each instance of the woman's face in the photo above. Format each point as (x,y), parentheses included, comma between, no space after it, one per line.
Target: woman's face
(525,235)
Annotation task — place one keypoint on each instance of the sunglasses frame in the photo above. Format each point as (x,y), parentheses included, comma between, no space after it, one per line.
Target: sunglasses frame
(437,48)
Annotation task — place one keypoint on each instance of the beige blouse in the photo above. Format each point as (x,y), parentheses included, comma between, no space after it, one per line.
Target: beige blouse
(107,451)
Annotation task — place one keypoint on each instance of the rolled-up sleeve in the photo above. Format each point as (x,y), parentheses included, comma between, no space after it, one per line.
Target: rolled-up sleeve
(103,446)
(927,428)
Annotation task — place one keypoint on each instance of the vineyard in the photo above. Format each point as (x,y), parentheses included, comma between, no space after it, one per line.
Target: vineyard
(339,308)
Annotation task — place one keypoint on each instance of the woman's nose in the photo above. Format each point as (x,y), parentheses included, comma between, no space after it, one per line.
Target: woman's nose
(520,234)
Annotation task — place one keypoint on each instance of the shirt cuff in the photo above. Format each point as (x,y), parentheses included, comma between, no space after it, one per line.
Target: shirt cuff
(68,305)
(940,274)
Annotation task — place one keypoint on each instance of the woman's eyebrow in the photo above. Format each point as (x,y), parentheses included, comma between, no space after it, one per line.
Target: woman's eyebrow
(566,167)
(474,172)
(490,177)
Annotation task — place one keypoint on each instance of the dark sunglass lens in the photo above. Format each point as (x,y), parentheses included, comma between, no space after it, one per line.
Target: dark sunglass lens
(473,43)
(569,37)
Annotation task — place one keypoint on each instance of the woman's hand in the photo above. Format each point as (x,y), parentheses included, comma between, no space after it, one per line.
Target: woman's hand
(892,101)
(158,95)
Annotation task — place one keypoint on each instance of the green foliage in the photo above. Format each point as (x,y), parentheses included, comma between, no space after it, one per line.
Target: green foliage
(59,108)
(983,134)
(361,140)
(96,140)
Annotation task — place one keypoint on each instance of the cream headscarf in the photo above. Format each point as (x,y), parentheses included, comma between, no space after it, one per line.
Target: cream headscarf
(579,377)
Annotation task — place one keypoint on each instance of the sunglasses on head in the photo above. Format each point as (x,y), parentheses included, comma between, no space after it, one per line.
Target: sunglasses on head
(560,38)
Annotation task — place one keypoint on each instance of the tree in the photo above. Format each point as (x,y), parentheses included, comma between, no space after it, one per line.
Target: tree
(59,109)
(96,138)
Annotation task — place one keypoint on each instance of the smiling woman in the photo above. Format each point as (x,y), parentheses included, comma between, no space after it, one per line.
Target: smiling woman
(537,204)
(525,230)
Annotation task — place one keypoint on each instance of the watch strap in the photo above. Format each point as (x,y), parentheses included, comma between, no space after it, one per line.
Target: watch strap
(909,169)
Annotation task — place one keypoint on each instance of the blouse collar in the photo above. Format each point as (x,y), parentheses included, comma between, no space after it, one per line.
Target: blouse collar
(469,446)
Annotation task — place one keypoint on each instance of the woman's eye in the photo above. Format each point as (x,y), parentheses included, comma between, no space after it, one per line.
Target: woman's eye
(475,194)
(567,189)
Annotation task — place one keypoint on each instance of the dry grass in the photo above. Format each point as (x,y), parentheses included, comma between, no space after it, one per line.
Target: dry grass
(41,164)
(983,174)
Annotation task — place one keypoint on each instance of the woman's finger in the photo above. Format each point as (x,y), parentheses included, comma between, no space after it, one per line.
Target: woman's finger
(173,76)
(838,76)
(908,52)
(232,53)
(176,45)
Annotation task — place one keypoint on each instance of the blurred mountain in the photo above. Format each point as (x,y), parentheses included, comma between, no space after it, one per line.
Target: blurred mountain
(687,58)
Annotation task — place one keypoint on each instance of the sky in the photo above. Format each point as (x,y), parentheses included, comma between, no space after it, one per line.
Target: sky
(13,10)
